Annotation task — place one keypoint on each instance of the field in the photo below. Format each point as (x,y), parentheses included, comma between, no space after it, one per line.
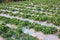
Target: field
(30,20)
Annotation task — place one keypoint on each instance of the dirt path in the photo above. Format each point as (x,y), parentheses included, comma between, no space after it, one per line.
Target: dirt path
(24,19)
(1,38)
(40,35)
